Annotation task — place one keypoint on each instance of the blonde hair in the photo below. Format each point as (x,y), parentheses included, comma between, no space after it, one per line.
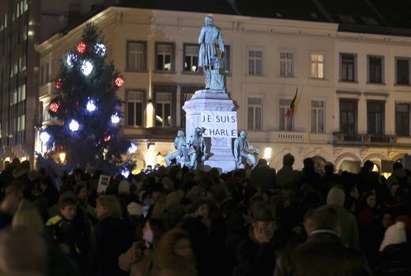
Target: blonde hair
(112,205)
(29,217)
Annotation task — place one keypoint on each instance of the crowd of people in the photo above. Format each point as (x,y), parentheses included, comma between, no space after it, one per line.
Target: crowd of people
(177,222)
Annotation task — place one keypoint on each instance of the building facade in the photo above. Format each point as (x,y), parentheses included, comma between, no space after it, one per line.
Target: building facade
(353,90)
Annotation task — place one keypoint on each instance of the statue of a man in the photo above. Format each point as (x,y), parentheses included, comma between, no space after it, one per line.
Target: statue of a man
(197,148)
(243,153)
(211,55)
(180,155)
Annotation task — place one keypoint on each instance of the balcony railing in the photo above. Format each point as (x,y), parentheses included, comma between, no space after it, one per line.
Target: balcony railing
(363,139)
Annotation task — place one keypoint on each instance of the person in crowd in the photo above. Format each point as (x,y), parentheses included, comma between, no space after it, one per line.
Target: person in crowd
(113,236)
(287,177)
(174,255)
(22,253)
(8,206)
(63,230)
(264,177)
(323,253)
(256,255)
(347,223)
(394,252)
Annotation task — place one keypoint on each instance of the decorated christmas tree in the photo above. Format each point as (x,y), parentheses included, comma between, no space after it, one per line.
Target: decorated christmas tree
(85,107)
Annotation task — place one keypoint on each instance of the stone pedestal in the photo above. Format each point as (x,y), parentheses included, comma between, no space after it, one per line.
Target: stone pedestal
(219,150)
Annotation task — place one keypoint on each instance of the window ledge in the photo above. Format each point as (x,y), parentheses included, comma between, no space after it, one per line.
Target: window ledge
(348,81)
(164,72)
(402,85)
(133,71)
(191,73)
(376,83)
(318,79)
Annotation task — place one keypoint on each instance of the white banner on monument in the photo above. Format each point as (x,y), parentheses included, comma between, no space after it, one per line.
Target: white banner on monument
(219,124)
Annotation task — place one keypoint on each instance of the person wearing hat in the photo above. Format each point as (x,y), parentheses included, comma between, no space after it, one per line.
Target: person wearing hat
(256,255)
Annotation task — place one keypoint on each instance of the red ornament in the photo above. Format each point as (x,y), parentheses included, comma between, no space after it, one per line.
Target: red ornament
(59,84)
(54,107)
(107,138)
(119,81)
(81,47)
(59,147)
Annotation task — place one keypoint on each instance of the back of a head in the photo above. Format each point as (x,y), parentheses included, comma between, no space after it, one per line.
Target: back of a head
(336,197)
(111,203)
(288,160)
(29,217)
(324,217)
(22,252)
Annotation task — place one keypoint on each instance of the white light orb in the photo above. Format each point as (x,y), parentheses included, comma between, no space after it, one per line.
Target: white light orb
(132,148)
(125,172)
(44,137)
(91,106)
(100,49)
(74,125)
(86,68)
(115,119)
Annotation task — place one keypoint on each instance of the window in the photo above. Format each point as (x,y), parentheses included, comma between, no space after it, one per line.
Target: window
(21,123)
(135,108)
(376,117)
(255,113)
(317,117)
(190,63)
(164,57)
(286,119)
(21,94)
(286,65)
(403,71)
(186,93)
(317,66)
(375,69)
(163,109)
(348,67)
(402,119)
(136,56)
(348,116)
(255,62)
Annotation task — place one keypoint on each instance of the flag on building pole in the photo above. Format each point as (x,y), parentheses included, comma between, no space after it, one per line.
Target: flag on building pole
(291,108)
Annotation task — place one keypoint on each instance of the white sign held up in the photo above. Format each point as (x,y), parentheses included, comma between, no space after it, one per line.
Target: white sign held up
(219,124)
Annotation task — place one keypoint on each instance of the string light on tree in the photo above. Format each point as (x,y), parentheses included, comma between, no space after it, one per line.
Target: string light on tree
(107,138)
(100,49)
(81,47)
(119,81)
(74,126)
(54,107)
(44,137)
(125,172)
(91,105)
(115,119)
(70,59)
(132,148)
(86,68)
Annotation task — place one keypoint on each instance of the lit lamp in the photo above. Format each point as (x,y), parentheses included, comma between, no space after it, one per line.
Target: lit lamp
(150,113)
(268,151)
(62,157)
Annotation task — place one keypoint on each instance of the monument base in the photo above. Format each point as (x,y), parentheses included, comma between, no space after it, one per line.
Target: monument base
(219,152)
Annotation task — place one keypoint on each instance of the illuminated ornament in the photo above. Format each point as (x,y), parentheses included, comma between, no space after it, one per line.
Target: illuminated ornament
(81,47)
(91,106)
(100,49)
(125,172)
(107,138)
(86,68)
(115,119)
(70,59)
(119,81)
(132,148)
(54,107)
(59,84)
(44,137)
(74,125)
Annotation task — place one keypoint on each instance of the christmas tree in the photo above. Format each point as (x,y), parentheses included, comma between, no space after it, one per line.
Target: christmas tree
(85,107)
